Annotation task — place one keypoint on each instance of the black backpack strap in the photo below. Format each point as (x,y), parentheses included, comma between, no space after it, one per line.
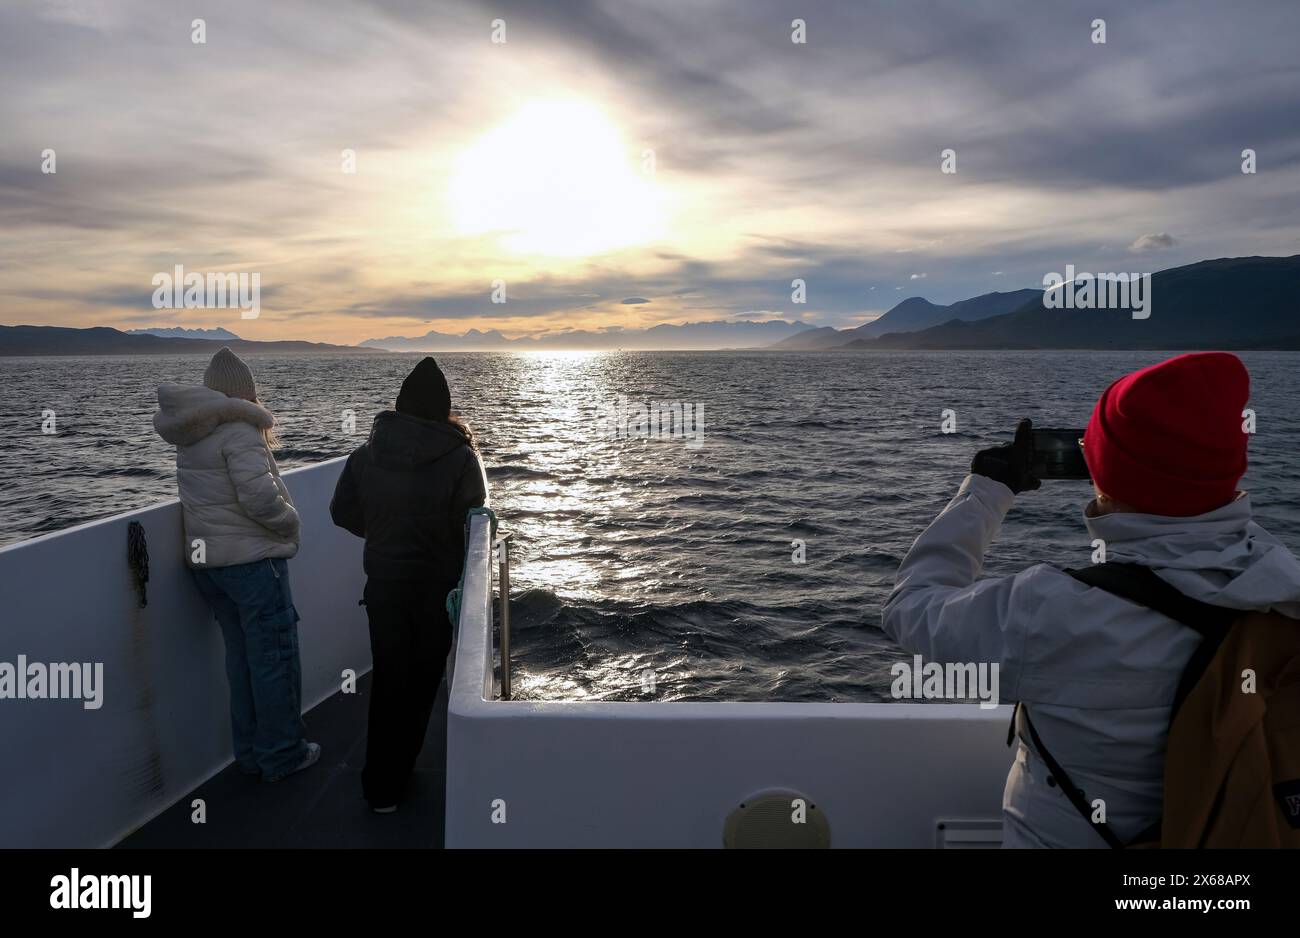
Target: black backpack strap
(1141,586)
(1062,778)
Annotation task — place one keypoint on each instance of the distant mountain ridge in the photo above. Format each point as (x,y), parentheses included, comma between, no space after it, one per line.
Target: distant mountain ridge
(100,340)
(1226,303)
(912,314)
(180,332)
(440,341)
(716,334)
(1229,303)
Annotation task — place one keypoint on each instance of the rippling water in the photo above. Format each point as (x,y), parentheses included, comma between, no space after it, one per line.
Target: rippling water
(649,554)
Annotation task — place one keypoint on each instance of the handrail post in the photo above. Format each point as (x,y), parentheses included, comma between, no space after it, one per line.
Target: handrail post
(503,545)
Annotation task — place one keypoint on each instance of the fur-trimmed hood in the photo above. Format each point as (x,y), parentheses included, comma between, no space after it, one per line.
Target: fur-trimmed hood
(189,414)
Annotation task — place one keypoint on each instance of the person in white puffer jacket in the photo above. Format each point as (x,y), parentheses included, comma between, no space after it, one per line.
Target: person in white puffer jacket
(240,530)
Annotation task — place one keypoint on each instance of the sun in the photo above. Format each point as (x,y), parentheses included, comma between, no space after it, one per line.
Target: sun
(556,179)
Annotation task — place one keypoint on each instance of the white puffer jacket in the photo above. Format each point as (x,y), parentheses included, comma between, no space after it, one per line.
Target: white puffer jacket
(231,493)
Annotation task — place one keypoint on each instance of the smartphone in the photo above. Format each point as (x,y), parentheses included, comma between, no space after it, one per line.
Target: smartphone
(1058,455)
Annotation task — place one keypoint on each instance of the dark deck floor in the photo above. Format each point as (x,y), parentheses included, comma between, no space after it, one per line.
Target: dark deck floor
(320,807)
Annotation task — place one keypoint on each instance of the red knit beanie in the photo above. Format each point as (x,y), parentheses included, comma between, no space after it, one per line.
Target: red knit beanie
(1168,439)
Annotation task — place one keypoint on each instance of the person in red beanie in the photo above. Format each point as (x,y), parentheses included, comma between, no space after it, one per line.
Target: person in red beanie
(1166,449)
(1168,440)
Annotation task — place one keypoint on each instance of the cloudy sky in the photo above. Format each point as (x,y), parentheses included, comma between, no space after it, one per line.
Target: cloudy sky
(688,155)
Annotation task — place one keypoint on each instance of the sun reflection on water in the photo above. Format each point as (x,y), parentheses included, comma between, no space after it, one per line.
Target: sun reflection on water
(585,529)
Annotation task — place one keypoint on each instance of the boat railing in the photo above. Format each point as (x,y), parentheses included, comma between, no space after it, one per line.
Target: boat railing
(501,548)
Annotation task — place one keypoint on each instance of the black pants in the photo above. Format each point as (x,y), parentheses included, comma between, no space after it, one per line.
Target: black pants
(410,636)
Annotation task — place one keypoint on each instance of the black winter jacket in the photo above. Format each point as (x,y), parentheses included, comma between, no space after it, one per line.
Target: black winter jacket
(406,490)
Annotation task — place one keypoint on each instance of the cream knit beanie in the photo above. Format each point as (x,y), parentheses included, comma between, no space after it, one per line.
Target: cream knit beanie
(228,374)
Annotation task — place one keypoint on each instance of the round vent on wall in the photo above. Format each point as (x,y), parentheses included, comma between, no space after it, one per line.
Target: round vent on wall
(780,820)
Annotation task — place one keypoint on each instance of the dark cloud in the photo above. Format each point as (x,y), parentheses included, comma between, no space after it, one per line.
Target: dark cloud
(1177,90)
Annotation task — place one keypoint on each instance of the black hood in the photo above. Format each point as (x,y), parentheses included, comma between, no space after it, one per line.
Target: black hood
(399,440)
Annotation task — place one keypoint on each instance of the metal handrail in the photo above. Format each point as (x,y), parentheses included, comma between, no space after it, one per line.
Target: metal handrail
(502,545)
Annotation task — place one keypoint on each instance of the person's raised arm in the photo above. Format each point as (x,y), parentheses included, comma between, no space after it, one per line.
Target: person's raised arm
(937,608)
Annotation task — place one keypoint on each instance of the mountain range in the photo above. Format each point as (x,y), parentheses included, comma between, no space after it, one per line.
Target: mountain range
(692,335)
(1228,303)
(100,340)
(180,332)
(910,315)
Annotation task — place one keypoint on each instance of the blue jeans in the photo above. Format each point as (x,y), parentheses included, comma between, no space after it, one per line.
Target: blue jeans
(255,609)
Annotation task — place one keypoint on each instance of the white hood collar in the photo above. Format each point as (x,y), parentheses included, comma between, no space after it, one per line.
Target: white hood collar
(1221,557)
(189,414)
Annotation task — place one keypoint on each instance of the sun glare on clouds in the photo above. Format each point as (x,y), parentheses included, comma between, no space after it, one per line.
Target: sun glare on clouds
(556,179)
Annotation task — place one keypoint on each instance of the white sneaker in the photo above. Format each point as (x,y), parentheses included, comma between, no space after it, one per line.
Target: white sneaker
(391,809)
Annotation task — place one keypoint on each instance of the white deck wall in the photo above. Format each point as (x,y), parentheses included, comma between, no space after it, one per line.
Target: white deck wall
(71,777)
(646,774)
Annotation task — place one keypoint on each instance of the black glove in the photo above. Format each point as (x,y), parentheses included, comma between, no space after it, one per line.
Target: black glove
(1011,464)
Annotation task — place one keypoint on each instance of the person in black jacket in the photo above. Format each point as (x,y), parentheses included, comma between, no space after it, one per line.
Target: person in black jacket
(406,490)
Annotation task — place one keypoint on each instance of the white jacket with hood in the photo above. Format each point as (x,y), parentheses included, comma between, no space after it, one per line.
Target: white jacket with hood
(1098,673)
(232,496)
